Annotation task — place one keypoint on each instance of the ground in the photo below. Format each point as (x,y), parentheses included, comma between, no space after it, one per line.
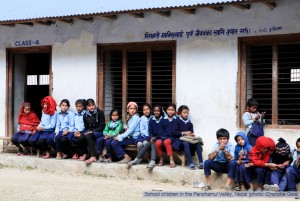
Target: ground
(34,184)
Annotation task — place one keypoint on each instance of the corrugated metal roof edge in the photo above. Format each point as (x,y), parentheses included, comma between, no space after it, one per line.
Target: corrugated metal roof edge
(103,14)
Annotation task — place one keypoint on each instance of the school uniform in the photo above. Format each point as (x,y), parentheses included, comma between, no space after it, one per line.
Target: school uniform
(78,126)
(128,137)
(144,129)
(292,173)
(260,159)
(180,125)
(166,137)
(242,153)
(248,121)
(220,164)
(155,128)
(94,124)
(111,129)
(65,121)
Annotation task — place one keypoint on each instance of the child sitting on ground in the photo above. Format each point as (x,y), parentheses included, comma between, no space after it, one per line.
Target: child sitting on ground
(292,173)
(220,160)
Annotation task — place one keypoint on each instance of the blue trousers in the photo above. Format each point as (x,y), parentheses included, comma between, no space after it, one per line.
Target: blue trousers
(227,167)
(118,146)
(50,140)
(100,142)
(278,177)
(292,176)
(187,151)
(242,174)
(260,172)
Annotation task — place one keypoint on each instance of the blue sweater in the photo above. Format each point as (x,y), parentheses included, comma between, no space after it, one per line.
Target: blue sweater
(242,152)
(181,126)
(155,127)
(167,128)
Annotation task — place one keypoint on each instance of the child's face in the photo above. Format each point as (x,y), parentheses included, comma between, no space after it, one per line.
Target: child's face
(131,110)
(252,109)
(264,150)
(146,111)
(298,146)
(157,112)
(64,107)
(114,116)
(185,113)
(45,105)
(170,111)
(79,107)
(27,110)
(90,107)
(222,140)
(240,141)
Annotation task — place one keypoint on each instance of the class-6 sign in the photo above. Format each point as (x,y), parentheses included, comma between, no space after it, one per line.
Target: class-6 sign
(26,43)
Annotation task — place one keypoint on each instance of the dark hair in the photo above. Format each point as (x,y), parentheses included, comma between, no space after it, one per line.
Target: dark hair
(65,101)
(297,141)
(82,102)
(90,101)
(252,102)
(160,109)
(222,132)
(181,108)
(147,105)
(171,105)
(115,110)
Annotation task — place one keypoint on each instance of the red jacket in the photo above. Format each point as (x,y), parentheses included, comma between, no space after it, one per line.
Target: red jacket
(256,157)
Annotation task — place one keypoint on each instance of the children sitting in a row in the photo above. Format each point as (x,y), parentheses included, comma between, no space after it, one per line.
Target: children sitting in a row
(270,163)
(86,129)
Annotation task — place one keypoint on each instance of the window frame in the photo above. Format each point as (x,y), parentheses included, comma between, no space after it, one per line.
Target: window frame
(136,46)
(273,40)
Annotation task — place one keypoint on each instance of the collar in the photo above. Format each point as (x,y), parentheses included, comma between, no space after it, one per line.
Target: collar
(184,120)
(174,117)
(81,113)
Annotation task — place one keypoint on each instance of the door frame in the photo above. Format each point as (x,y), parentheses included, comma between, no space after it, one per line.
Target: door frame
(10,82)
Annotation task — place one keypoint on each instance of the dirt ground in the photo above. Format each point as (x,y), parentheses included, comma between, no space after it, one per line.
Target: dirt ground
(33,184)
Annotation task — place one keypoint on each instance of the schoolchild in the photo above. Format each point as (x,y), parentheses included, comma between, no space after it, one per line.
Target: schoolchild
(27,124)
(112,129)
(46,127)
(220,160)
(94,124)
(129,136)
(166,138)
(292,173)
(63,130)
(155,129)
(241,157)
(183,127)
(254,121)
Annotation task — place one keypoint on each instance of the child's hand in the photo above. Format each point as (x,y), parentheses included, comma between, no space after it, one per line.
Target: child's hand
(248,165)
(76,133)
(281,166)
(222,146)
(33,132)
(152,140)
(39,128)
(263,114)
(239,161)
(273,166)
(65,132)
(116,138)
(106,137)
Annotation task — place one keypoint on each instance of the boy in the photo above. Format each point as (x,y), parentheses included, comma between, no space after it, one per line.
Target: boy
(260,157)
(220,159)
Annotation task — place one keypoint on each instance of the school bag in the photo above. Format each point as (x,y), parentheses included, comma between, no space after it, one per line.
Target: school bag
(257,129)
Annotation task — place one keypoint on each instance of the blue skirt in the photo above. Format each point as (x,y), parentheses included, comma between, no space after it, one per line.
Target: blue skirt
(23,137)
(141,139)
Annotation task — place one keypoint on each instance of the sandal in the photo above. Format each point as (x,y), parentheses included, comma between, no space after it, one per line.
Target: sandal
(107,161)
(75,157)
(89,161)
(64,156)
(160,163)
(172,165)
(192,166)
(82,158)
(46,157)
(206,188)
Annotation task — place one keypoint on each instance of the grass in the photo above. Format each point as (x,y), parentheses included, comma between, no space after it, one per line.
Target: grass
(139,178)
(166,181)
(27,167)
(97,175)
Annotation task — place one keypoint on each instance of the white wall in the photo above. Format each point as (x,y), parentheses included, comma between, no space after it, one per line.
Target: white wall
(206,67)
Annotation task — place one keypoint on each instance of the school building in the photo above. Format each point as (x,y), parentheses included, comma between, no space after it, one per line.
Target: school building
(211,55)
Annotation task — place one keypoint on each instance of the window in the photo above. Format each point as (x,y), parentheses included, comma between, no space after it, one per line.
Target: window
(140,72)
(270,73)
(37,79)
(32,80)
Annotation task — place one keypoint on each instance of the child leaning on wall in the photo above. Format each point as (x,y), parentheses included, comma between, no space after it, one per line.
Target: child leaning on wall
(254,121)
(27,124)
(220,160)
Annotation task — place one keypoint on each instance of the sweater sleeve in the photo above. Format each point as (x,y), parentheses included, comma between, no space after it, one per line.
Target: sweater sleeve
(131,127)
(254,158)
(176,129)
(106,129)
(247,119)
(144,127)
(101,120)
(116,131)
(150,129)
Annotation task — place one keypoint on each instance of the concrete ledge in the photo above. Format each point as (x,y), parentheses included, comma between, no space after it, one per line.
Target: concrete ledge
(163,174)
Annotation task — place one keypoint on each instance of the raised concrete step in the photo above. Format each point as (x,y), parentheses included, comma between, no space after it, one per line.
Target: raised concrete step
(163,174)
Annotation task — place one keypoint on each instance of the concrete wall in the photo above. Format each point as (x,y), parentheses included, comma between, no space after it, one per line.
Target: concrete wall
(206,67)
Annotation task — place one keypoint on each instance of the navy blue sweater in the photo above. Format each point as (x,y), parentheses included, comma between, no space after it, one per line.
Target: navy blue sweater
(155,129)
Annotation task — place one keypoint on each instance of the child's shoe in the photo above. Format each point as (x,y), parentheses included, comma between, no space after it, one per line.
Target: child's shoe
(228,188)
(192,166)
(133,162)
(200,166)
(273,187)
(151,165)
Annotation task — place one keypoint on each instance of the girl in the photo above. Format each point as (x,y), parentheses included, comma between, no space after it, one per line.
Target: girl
(143,139)
(250,117)
(46,126)
(28,121)
(130,135)
(63,130)
(183,127)
(165,138)
(94,123)
(155,129)
(241,156)
(78,127)
(112,128)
